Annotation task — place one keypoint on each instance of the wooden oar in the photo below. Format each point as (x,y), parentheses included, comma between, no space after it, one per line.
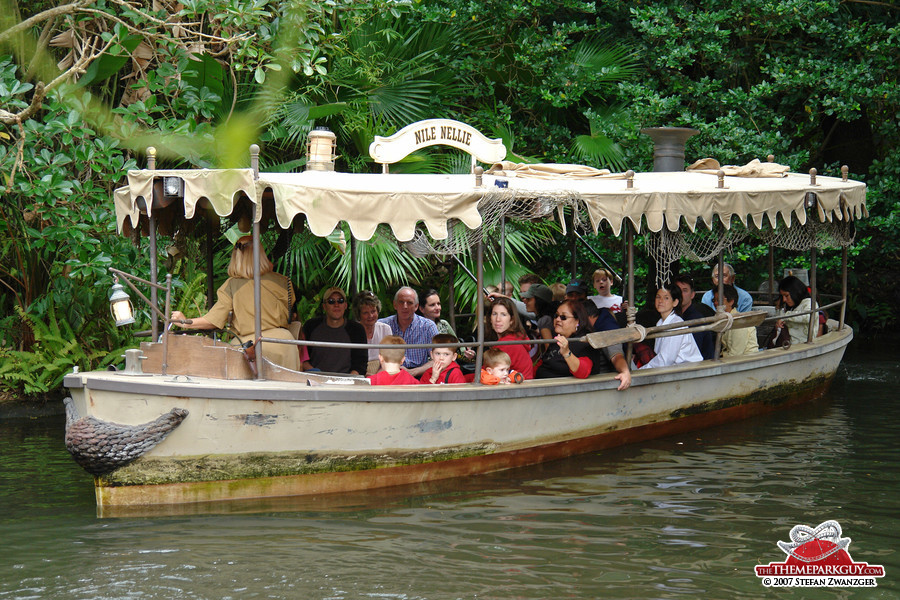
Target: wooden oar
(637,333)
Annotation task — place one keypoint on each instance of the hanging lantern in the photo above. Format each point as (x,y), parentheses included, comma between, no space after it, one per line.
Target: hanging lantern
(320,150)
(120,305)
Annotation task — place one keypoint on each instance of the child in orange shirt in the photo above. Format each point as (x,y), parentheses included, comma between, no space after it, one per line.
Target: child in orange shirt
(444,368)
(496,368)
(391,359)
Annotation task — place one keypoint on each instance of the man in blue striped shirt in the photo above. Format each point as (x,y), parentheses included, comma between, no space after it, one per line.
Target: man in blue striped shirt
(413,328)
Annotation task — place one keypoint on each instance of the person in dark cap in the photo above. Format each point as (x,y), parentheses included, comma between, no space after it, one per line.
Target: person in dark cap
(576,290)
(539,301)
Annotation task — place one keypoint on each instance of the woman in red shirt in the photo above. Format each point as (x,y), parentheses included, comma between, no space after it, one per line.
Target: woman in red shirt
(503,324)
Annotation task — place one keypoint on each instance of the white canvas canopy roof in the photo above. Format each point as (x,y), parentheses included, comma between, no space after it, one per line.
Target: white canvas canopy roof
(403,201)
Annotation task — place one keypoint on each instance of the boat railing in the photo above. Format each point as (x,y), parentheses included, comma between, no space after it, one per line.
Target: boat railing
(635,333)
(781,316)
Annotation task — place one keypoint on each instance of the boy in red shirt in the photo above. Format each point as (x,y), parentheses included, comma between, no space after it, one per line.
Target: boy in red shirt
(391,358)
(445,369)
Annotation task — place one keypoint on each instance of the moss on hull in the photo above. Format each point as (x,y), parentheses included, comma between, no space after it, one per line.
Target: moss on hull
(156,470)
(774,397)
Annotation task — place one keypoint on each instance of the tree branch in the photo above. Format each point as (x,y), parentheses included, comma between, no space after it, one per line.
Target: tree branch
(50,13)
(8,118)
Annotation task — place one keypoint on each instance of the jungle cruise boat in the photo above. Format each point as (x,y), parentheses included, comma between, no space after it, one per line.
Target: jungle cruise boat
(190,420)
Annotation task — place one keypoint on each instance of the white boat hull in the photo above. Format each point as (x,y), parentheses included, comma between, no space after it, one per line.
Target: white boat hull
(253,439)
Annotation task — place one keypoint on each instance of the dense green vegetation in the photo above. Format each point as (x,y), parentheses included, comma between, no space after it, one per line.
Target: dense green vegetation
(87,86)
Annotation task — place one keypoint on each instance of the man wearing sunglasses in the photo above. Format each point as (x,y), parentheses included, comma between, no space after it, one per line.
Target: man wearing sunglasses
(413,328)
(334,326)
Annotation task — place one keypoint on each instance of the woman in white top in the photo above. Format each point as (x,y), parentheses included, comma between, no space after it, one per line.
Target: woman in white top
(795,299)
(677,348)
(366,305)
(604,298)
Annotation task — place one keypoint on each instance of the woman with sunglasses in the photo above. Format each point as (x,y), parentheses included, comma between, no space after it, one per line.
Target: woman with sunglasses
(334,326)
(235,296)
(502,325)
(579,359)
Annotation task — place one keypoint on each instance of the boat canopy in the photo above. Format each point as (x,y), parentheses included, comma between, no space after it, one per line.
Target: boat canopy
(402,201)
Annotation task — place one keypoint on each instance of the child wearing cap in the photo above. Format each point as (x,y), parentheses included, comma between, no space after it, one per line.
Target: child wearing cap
(334,326)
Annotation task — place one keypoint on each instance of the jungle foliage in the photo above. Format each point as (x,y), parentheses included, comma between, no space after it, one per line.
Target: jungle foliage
(85,87)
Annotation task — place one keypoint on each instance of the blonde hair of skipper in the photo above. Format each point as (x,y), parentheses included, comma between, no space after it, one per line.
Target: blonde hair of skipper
(241,264)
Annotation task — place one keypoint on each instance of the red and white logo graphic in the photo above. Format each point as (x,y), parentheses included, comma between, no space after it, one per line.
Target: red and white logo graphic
(818,558)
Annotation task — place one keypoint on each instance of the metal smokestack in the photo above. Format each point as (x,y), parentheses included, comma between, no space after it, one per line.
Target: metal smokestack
(668,146)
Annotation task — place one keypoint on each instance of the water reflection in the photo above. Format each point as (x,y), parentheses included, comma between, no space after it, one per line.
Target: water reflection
(683,517)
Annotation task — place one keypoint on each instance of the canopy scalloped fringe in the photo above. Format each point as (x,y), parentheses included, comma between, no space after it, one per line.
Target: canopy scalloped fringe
(364,201)
(404,201)
(220,186)
(664,199)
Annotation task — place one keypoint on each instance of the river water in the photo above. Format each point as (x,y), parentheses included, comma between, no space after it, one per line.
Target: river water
(682,517)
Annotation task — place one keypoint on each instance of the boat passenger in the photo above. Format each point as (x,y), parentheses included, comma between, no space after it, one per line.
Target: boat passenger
(413,328)
(391,372)
(366,307)
(444,368)
(430,308)
(496,369)
(675,349)
(736,342)
(605,298)
(600,319)
(526,281)
(745,300)
(539,302)
(235,296)
(706,340)
(334,326)
(559,291)
(795,298)
(502,325)
(579,359)
(576,290)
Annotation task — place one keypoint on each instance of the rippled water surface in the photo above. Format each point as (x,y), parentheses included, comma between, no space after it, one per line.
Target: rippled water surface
(682,517)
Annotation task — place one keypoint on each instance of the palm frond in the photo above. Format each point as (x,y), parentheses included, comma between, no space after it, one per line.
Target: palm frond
(608,61)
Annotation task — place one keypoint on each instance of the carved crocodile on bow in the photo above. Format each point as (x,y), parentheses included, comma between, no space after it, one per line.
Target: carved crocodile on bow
(101,447)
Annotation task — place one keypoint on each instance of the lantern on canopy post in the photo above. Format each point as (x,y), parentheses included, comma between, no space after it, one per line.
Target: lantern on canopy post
(320,150)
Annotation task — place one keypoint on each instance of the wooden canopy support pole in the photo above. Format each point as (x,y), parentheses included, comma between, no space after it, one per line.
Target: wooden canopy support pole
(151,219)
(451,273)
(813,318)
(720,294)
(479,310)
(630,311)
(843,286)
(573,245)
(354,269)
(502,285)
(257,280)
(210,281)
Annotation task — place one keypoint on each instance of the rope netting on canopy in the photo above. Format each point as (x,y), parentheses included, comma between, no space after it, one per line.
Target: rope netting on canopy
(665,247)
(493,207)
(703,245)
